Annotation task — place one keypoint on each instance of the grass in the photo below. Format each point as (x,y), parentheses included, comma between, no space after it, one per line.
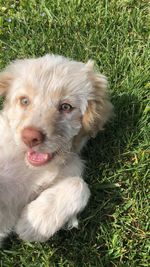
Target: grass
(114,228)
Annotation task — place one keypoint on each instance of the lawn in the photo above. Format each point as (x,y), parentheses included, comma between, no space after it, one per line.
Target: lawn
(113,229)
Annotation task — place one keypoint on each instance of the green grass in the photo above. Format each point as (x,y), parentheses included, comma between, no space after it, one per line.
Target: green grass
(114,227)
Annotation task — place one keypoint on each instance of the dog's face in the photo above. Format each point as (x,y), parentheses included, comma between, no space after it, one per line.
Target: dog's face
(53,106)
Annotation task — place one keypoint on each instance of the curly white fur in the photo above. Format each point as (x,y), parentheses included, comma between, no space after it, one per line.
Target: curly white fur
(37,201)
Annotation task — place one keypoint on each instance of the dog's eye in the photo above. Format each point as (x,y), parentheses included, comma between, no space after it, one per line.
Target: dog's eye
(24,101)
(66,107)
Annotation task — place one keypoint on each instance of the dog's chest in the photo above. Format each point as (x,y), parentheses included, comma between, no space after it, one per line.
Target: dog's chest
(15,182)
(21,184)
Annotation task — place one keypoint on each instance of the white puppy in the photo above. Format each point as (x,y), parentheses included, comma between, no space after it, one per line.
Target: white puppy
(52,107)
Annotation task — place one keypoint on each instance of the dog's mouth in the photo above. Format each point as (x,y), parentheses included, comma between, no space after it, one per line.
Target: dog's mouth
(38,158)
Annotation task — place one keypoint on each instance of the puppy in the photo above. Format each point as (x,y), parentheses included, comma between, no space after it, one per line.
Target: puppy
(52,106)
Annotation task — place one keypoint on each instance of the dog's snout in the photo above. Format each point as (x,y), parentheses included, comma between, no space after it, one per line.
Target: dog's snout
(32,136)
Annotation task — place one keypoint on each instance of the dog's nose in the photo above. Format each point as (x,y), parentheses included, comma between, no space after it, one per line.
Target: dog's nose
(32,136)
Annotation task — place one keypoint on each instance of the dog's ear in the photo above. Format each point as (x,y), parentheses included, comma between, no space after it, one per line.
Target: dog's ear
(99,109)
(5,81)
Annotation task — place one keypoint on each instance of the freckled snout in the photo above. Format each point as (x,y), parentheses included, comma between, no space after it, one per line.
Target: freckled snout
(32,136)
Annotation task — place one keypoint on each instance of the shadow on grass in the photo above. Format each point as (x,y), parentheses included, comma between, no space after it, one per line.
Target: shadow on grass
(89,246)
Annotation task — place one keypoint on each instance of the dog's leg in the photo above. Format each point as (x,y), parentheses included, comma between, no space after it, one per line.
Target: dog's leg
(53,209)
(2,237)
(6,224)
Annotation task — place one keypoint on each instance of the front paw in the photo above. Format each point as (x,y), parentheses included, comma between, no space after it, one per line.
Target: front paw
(32,224)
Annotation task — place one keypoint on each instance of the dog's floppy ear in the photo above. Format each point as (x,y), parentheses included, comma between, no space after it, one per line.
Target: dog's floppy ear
(5,81)
(99,108)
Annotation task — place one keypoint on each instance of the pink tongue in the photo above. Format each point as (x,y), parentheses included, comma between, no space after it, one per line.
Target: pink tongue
(38,159)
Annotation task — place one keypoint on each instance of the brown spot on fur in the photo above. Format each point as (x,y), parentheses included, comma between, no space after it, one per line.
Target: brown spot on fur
(99,108)
(5,81)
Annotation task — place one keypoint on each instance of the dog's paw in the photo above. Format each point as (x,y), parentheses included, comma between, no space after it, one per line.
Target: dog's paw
(32,225)
(54,207)
(72,223)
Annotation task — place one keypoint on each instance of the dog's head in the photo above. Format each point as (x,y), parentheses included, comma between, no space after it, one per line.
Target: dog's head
(53,106)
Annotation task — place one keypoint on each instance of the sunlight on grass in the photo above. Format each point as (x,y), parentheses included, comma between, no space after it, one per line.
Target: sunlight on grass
(114,227)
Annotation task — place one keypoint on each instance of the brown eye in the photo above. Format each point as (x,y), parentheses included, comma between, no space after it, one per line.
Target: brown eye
(24,101)
(66,107)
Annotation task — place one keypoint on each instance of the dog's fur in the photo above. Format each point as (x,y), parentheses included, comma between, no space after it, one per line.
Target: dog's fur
(36,202)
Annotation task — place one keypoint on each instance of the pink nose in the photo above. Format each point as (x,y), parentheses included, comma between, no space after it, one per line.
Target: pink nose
(32,136)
